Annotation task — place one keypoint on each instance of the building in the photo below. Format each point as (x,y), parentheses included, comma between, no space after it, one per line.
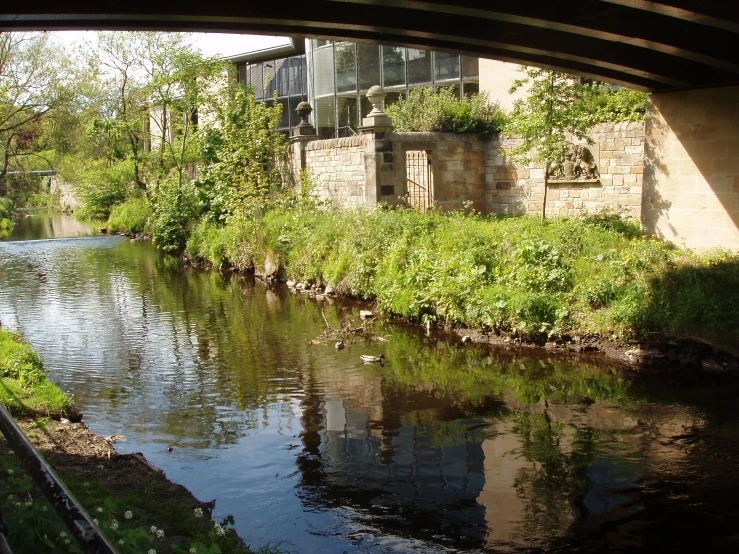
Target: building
(335,76)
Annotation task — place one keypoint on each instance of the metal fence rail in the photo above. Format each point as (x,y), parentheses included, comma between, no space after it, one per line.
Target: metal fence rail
(419,179)
(74,516)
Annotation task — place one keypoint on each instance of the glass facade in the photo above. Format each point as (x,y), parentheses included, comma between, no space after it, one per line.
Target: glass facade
(334,77)
(342,72)
(287,77)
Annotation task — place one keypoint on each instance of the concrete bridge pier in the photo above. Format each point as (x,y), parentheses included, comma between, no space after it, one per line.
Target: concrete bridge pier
(691,170)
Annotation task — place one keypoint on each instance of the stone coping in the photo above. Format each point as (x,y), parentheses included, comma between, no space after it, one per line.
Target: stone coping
(343,142)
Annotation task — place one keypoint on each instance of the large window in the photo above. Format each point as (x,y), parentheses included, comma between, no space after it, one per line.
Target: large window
(285,77)
(342,73)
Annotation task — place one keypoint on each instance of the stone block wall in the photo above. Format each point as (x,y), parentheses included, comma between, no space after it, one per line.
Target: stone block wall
(337,167)
(691,186)
(618,149)
(367,169)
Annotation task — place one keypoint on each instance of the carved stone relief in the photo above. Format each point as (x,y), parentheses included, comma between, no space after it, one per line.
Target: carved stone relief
(577,164)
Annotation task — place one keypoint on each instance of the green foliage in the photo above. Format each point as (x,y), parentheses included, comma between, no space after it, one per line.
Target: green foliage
(6,208)
(603,105)
(441,110)
(547,115)
(131,216)
(243,153)
(103,186)
(25,389)
(173,209)
(589,276)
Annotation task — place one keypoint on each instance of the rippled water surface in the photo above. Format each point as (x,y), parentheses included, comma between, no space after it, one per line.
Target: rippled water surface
(444,448)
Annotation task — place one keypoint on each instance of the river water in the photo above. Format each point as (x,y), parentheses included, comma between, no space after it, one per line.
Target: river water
(443,448)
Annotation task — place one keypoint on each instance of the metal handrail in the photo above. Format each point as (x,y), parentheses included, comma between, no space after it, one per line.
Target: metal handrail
(74,516)
(417,184)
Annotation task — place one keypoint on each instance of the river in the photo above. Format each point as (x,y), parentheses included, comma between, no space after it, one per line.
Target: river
(443,448)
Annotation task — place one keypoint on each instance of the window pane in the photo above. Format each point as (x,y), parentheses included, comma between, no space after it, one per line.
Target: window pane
(323,71)
(366,106)
(453,88)
(471,88)
(282,77)
(304,74)
(318,42)
(324,116)
(347,108)
(241,75)
(394,97)
(368,61)
(296,75)
(393,65)
(269,79)
(470,67)
(446,66)
(419,66)
(256,80)
(285,120)
(346,68)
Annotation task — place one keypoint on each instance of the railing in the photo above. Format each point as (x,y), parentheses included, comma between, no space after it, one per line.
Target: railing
(70,511)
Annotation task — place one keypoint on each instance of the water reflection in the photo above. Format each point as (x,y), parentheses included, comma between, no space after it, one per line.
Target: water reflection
(39,224)
(444,448)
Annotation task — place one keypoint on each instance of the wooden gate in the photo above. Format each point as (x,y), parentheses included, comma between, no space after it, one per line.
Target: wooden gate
(419,179)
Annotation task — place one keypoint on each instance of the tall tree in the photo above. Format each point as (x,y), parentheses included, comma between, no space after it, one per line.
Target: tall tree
(546,118)
(35,80)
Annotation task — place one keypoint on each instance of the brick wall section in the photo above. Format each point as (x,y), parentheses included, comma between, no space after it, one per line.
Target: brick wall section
(691,181)
(338,169)
(619,151)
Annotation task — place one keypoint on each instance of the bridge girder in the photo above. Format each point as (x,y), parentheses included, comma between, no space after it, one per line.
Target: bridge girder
(656,45)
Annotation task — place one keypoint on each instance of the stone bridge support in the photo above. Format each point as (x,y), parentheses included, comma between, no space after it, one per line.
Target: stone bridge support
(691,173)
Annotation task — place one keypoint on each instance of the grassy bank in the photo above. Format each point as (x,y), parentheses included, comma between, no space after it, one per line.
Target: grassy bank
(138,509)
(6,211)
(516,276)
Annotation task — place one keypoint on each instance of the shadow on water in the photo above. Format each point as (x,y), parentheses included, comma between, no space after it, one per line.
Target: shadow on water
(443,448)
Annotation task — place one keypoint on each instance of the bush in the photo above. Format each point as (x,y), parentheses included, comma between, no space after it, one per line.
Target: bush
(602,105)
(130,217)
(429,110)
(173,209)
(6,208)
(102,187)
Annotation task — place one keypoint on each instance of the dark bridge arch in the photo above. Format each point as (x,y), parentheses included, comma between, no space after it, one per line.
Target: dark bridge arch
(650,45)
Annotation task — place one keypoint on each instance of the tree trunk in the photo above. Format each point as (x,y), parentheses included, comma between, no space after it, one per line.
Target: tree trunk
(546,183)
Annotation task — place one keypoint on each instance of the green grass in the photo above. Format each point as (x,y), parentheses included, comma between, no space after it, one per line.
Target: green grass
(517,276)
(24,389)
(131,216)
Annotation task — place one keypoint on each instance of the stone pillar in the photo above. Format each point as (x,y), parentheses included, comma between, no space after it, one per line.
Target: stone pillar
(379,159)
(301,136)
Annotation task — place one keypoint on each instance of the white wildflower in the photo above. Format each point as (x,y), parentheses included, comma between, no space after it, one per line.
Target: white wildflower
(99,510)
(29,502)
(11,498)
(198,512)
(114,524)
(151,551)
(193,550)
(96,521)
(10,472)
(153,529)
(160,533)
(44,508)
(121,542)
(62,534)
(128,514)
(67,541)
(220,531)
(11,452)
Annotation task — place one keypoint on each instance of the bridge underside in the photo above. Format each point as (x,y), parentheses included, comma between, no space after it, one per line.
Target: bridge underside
(649,45)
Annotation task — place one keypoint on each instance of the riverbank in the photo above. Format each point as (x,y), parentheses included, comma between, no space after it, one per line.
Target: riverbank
(137,507)
(591,283)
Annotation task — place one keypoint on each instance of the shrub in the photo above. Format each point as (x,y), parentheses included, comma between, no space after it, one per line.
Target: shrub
(131,216)
(173,209)
(6,208)
(101,187)
(601,104)
(429,110)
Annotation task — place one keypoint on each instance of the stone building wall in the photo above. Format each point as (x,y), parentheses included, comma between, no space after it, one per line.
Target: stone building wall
(619,153)
(337,167)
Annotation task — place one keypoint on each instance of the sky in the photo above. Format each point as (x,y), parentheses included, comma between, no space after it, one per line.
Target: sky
(209,43)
